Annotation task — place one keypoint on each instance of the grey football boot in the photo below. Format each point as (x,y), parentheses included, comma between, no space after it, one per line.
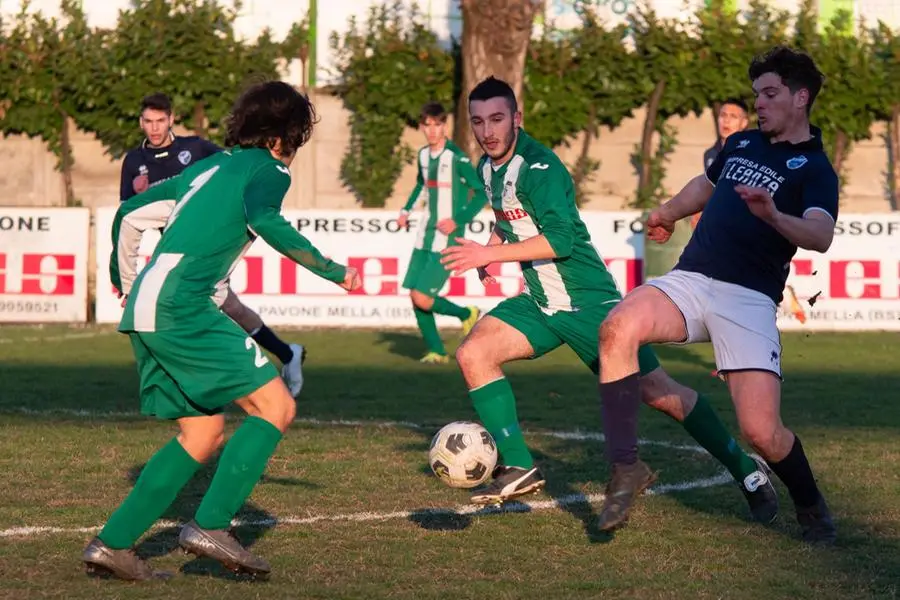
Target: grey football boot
(223,546)
(102,561)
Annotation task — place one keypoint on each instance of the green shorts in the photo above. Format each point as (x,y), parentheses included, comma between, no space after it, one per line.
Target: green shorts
(578,330)
(198,371)
(426,274)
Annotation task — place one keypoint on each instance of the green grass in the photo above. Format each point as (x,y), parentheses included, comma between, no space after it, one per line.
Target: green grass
(71,446)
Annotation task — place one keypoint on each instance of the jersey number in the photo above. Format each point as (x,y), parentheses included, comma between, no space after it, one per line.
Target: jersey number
(198,182)
(260,360)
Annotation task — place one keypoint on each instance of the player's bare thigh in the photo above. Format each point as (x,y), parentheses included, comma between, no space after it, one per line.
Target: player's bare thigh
(201,436)
(647,315)
(240,313)
(420,300)
(490,344)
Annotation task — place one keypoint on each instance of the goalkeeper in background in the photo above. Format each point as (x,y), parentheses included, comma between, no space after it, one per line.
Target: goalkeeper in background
(445,179)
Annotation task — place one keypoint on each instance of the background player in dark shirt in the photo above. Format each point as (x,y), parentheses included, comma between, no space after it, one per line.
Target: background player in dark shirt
(163,155)
(733,116)
(770,191)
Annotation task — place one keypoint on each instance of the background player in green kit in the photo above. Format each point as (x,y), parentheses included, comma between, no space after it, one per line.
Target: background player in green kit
(192,359)
(445,180)
(570,292)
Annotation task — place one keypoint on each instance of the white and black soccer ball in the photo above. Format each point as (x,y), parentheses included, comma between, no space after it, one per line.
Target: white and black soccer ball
(463,454)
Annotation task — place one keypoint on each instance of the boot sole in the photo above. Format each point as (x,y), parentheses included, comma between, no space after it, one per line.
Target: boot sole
(534,488)
(622,518)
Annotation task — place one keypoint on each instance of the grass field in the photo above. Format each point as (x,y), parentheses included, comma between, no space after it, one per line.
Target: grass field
(360,516)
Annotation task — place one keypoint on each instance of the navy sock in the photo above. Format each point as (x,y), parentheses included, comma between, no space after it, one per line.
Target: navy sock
(795,472)
(621,401)
(266,338)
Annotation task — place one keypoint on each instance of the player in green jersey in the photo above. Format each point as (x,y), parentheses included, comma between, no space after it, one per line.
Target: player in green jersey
(569,293)
(193,360)
(445,180)
(139,215)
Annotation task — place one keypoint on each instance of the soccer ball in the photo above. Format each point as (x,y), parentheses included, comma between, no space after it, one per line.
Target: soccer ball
(462,454)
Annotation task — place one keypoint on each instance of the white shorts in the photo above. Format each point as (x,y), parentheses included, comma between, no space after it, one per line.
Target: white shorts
(739,322)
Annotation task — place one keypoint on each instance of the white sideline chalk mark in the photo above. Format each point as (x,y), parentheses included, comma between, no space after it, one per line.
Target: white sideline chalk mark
(576,435)
(55,338)
(361,517)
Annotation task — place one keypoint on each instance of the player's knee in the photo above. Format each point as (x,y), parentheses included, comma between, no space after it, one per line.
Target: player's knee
(760,436)
(469,355)
(617,333)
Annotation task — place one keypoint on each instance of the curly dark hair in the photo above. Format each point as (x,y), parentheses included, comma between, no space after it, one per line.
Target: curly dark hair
(796,69)
(269,112)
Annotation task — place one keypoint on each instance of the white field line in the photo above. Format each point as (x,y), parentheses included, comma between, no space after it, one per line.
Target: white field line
(56,338)
(575,435)
(361,517)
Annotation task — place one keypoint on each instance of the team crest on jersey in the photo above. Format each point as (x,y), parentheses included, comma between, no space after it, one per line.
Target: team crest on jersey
(743,144)
(184,157)
(796,162)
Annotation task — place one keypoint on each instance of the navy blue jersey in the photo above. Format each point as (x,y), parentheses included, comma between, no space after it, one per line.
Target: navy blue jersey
(730,243)
(159,164)
(709,157)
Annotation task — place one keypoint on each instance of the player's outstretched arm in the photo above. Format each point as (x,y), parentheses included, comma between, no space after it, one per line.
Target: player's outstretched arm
(690,200)
(262,202)
(149,210)
(413,196)
(550,202)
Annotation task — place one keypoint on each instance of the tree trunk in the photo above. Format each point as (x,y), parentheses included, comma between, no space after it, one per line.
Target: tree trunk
(65,144)
(647,136)
(894,149)
(495,40)
(716,107)
(581,165)
(199,119)
(840,151)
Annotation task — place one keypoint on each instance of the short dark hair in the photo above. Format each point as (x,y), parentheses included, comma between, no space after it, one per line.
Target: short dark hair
(270,111)
(739,102)
(494,88)
(796,69)
(157,101)
(433,110)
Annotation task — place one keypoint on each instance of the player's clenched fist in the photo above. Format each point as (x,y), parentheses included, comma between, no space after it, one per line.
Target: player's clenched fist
(659,226)
(352,280)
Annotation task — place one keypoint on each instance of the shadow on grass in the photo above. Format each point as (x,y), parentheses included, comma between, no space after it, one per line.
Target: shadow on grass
(255,521)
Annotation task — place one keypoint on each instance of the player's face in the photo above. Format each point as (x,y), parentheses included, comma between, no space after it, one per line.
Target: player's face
(494,125)
(776,107)
(731,119)
(156,125)
(435,131)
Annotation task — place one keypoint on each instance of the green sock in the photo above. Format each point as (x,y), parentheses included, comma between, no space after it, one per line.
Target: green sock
(496,407)
(705,426)
(242,463)
(427,326)
(162,478)
(442,306)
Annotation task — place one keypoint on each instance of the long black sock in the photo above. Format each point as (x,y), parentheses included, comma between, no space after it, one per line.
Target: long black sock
(795,472)
(621,401)
(266,338)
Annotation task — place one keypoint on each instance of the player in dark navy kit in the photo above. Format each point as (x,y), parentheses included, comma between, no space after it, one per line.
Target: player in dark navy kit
(161,156)
(770,191)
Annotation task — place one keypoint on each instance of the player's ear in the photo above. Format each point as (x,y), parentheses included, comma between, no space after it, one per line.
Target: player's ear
(517,119)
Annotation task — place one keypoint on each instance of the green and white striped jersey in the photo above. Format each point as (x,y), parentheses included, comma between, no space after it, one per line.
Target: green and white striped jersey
(216,209)
(444,183)
(533,194)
